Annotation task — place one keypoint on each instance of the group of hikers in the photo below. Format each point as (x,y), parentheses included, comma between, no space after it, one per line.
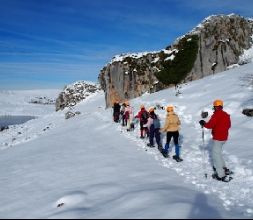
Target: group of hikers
(150,127)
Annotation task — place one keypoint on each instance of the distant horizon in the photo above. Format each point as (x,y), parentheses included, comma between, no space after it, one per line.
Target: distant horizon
(40,86)
(53,43)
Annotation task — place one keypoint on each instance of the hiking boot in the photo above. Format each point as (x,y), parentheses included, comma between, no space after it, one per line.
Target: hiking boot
(177,158)
(141,137)
(166,155)
(150,145)
(160,148)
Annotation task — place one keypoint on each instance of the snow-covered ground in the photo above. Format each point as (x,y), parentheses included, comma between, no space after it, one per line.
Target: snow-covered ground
(90,167)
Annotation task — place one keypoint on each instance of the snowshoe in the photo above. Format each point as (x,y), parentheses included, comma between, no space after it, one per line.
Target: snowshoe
(228,172)
(178,159)
(223,179)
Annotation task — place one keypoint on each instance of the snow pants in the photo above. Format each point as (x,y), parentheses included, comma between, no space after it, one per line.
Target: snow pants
(129,122)
(175,135)
(154,133)
(218,161)
(144,130)
(116,116)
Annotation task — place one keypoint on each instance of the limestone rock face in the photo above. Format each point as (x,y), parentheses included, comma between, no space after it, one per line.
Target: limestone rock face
(127,77)
(222,39)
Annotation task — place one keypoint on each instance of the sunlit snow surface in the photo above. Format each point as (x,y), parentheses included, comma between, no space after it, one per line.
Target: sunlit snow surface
(90,167)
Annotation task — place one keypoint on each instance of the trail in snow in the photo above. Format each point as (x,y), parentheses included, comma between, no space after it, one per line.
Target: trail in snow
(197,162)
(196,158)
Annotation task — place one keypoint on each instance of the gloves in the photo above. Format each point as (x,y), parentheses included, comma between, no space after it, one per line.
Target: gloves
(202,123)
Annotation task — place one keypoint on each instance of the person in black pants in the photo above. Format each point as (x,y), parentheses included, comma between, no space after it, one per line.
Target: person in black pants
(116,111)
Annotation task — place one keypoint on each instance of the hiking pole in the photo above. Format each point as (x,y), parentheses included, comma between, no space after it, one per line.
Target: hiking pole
(204,156)
(204,115)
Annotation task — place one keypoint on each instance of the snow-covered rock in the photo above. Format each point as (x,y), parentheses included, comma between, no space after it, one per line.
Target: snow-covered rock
(75,93)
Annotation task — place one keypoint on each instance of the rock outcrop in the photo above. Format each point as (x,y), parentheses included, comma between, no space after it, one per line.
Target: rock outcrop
(42,101)
(75,93)
(248,112)
(213,46)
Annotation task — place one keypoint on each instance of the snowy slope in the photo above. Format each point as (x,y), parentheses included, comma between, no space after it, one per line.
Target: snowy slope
(96,169)
(17,102)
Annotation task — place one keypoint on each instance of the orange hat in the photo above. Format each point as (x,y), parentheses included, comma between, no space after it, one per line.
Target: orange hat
(170,108)
(152,109)
(217,103)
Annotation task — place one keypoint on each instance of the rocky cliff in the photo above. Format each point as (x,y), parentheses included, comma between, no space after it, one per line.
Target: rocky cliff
(211,47)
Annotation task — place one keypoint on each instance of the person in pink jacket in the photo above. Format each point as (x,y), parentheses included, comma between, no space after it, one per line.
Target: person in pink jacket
(153,125)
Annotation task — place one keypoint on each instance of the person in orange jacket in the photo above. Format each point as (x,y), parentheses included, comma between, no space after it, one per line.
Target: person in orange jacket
(220,124)
(172,126)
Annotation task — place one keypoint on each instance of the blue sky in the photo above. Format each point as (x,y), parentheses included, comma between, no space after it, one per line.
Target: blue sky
(52,43)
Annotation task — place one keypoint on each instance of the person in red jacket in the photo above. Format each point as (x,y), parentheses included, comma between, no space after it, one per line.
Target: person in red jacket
(143,116)
(220,124)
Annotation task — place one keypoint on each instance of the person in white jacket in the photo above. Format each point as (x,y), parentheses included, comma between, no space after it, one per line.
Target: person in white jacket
(129,115)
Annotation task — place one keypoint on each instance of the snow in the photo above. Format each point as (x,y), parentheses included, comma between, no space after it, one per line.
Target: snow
(156,60)
(91,167)
(121,57)
(247,55)
(172,57)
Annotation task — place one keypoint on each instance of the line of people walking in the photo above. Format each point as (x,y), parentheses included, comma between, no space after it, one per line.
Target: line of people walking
(150,127)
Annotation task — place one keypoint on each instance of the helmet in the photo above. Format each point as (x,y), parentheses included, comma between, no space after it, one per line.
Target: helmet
(170,108)
(217,103)
(152,109)
(142,106)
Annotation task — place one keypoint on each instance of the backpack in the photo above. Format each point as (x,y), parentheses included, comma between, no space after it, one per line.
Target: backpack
(156,123)
(144,117)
